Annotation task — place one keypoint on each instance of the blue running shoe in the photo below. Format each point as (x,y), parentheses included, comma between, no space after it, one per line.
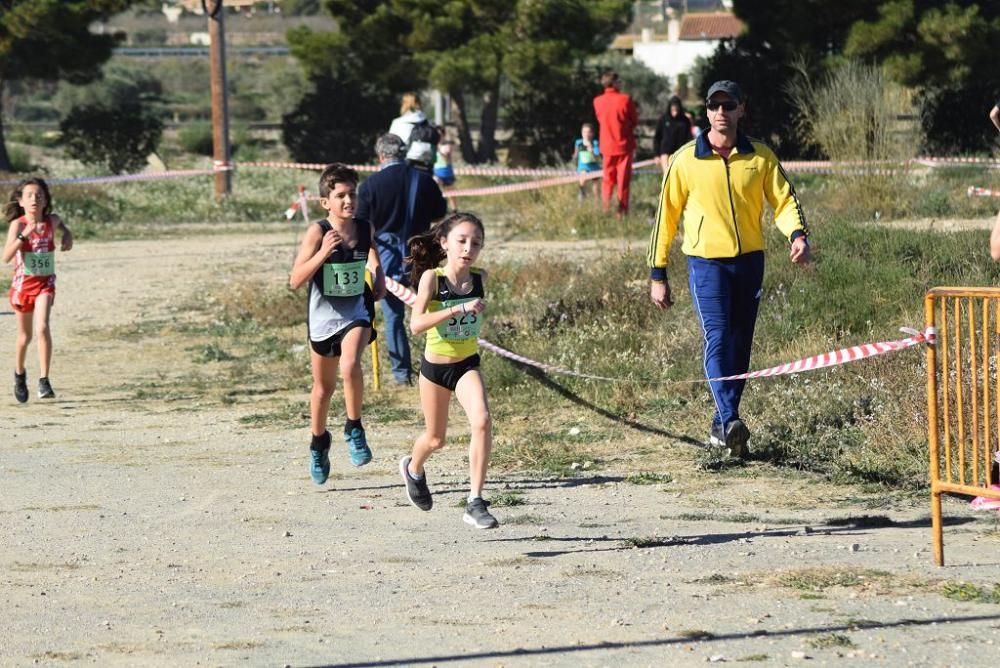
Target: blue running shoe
(357,445)
(319,459)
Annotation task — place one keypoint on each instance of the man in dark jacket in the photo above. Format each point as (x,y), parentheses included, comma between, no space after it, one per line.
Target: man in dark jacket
(399,202)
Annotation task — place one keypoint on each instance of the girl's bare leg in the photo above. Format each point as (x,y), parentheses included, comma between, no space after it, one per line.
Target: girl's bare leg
(24,326)
(434,401)
(471,394)
(43,308)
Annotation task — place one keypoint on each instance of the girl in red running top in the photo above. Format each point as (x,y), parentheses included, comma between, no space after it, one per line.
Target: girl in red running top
(31,245)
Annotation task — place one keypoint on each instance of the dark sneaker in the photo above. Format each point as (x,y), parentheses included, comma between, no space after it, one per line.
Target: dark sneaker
(478,516)
(319,460)
(357,445)
(21,387)
(733,439)
(45,389)
(416,490)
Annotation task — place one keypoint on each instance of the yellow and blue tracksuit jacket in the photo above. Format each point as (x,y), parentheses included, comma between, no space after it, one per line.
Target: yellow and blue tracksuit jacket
(722,202)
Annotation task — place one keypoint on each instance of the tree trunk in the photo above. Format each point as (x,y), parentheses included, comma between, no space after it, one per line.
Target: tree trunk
(462,125)
(487,129)
(5,165)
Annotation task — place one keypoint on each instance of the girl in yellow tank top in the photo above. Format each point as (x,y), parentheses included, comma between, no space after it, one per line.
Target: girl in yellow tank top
(449,308)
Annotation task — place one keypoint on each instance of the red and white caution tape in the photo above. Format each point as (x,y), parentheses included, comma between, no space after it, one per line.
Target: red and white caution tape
(808,166)
(151,176)
(554,176)
(933,161)
(842,356)
(503,352)
(834,358)
(470,170)
(403,293)
(533,185)
(509,187)
(310,166)
(982,192)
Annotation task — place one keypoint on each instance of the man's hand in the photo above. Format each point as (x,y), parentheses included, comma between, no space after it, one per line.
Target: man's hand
(800,252)
(659,293)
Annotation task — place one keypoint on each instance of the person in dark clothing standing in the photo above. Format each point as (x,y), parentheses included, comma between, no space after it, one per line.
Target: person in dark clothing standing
(995,234)
(673,130)
(399,202)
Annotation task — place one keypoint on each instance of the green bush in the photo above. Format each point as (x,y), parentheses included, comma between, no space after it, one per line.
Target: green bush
(117,137)
(20,160)
(196,138)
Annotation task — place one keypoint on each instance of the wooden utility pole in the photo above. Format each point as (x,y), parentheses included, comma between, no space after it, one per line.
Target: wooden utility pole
(220,106)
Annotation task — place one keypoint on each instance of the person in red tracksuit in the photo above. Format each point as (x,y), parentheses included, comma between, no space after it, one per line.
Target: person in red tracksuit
(618,118)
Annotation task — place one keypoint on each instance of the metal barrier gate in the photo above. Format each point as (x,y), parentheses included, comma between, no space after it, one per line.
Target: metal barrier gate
(963,396)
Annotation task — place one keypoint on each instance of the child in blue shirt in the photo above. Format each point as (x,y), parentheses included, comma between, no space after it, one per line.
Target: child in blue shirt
(587,154)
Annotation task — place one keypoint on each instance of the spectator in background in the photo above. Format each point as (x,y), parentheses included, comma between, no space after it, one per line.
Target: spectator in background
(410,116)
(995,235)
(587,154)
(399,202)
(673,130)
(617,115)
(423,145)
(444,171)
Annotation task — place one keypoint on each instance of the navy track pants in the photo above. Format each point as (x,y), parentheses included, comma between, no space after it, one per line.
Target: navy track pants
(726,293)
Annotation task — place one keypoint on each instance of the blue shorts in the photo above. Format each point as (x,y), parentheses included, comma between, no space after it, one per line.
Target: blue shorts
(445,174)
(588,167)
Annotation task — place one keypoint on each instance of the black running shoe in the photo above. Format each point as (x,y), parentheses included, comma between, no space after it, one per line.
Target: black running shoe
(733,439)
(21,387)
(45,389)
(416,490)
(478,516)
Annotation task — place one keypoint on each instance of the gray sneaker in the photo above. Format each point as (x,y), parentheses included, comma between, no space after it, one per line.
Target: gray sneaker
(733,439)
(416,490)
(478,516)
(21,387)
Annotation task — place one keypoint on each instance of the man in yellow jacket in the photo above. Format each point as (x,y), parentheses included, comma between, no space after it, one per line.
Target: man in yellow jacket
(718,183)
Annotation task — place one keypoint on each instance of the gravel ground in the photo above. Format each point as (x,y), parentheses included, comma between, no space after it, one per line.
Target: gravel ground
(141,532)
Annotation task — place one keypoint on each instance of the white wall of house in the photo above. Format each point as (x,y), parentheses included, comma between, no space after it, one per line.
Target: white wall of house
(672,58)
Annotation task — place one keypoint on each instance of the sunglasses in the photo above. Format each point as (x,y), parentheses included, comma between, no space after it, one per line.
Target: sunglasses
(728,105)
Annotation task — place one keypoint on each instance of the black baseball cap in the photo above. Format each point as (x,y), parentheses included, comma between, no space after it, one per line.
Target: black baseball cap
(730,88)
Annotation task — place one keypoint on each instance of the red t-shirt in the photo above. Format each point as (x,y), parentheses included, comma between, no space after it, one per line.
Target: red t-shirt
(618,118)
(41,240)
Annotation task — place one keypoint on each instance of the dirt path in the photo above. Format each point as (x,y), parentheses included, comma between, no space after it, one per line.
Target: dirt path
(144,532)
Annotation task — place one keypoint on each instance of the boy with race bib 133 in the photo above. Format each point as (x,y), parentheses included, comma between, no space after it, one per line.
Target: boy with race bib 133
(332,258)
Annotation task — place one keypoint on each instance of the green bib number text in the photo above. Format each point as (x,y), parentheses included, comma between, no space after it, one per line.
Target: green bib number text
(39,264)
(587,157)
(344,279)
(461,327)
